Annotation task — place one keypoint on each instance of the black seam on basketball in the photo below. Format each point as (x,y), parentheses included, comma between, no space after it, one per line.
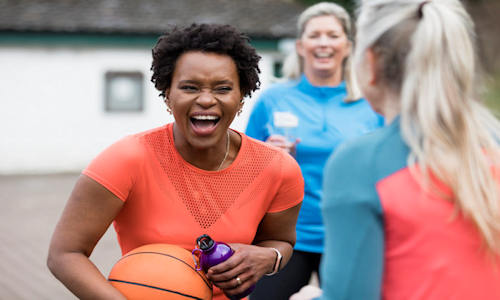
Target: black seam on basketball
(152,252)
(154,287)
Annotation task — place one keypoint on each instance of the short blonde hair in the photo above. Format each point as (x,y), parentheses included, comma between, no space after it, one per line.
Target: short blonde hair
(293,66)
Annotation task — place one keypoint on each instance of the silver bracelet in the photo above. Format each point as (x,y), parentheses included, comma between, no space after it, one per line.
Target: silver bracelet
(277,262)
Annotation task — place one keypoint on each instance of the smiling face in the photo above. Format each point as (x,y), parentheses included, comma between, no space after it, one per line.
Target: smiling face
(204,97)
(323,47)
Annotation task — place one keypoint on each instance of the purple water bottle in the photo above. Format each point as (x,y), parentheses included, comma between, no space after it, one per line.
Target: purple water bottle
(213,253)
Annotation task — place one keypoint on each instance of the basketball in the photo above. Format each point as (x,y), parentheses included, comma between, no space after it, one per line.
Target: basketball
(159,271)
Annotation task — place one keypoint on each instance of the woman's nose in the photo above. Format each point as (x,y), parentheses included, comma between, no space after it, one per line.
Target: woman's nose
(323,40)
(206,99)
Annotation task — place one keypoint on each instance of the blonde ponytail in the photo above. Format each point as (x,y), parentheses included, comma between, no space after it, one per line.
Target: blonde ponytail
(451,136)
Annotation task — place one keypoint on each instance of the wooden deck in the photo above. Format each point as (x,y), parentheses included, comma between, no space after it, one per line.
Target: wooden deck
(31,206)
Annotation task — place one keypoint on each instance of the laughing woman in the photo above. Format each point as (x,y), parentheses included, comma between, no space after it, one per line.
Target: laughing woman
(322,102)
(194,176)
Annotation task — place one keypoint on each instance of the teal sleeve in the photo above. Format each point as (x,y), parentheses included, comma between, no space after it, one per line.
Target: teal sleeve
(258,123)
(352,263)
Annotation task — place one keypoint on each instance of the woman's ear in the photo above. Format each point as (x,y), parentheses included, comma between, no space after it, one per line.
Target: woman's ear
(240,108)
(349,47)
(167,101)
(348,50)
(371,61)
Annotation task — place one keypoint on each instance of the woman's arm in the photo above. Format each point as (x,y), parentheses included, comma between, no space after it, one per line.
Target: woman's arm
(88,213)
(353,259)
(277,230)
(251,262)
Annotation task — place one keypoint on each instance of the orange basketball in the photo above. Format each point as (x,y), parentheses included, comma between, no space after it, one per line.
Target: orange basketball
(159,271)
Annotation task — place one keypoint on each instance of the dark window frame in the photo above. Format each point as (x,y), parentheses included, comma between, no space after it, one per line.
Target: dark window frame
(111,107)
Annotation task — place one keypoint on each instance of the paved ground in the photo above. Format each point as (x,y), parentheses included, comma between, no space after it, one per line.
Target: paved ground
(30,208)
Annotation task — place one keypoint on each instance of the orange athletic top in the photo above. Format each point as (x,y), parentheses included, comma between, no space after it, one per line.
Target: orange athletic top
(168,200)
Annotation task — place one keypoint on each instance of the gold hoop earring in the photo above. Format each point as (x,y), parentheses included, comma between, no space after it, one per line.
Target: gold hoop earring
(242,102)
(168,106)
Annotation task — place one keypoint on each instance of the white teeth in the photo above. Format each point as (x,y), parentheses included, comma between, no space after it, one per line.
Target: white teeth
(205,118)
(323,55)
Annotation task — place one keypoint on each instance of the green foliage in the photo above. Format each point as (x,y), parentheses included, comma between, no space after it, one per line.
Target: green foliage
(492,96)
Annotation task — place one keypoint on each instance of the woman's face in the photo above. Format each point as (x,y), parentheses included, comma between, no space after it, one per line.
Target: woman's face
(204,97)
(323,45)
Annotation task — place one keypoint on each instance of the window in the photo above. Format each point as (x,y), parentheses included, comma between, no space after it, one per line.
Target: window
(278,68)
(124,92)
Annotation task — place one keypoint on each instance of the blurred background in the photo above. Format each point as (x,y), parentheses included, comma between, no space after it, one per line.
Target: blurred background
(75,77)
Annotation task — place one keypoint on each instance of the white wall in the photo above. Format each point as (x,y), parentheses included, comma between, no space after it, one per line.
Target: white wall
(52,117)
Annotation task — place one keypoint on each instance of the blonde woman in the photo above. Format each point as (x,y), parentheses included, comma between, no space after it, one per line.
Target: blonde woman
(412,211)
(320,107)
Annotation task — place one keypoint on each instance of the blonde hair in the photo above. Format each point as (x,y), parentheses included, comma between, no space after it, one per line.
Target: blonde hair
(293,65)
(427,56)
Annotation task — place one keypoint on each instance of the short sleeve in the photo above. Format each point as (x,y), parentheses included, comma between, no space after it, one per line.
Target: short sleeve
(117,166)
(291,190)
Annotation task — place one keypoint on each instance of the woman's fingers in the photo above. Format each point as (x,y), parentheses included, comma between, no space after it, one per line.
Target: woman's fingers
(235,284)
(283,143)
(242,270)
(226,270)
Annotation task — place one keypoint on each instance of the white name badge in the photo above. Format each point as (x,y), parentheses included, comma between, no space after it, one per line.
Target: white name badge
(285,119)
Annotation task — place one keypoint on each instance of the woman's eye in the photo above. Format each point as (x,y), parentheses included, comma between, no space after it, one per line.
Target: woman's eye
(188,88)
(223,89)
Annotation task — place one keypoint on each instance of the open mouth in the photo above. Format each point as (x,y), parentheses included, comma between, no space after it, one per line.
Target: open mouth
(323,55)
(204,124)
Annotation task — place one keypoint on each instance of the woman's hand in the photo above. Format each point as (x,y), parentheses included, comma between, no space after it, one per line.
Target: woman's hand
(243,269)
(250,262)
(283,143)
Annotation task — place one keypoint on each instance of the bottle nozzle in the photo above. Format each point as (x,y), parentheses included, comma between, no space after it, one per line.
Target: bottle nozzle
(205,242)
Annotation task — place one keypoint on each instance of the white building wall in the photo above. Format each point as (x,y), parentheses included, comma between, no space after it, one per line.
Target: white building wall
(52,117)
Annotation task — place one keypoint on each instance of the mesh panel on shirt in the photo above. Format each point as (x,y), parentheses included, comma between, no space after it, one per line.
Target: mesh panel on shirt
(208,196)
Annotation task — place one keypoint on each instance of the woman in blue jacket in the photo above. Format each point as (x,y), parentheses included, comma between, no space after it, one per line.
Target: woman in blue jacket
(317,109)
(412,211)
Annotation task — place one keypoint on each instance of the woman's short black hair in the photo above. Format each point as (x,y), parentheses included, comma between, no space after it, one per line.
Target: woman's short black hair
(212,38)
